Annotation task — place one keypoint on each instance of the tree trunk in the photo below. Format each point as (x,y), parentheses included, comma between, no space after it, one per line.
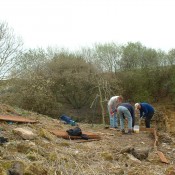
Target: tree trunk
(101,104)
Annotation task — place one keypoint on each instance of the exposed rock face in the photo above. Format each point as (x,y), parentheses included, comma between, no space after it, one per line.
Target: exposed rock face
(164,120)
(170,121)
(159,121)
(165,138)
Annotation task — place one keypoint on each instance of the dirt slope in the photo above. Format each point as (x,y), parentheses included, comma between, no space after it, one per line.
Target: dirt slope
(114,154)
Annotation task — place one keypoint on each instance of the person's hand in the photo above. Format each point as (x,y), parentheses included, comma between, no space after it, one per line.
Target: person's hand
(115,110)
(112,113)
(141,117)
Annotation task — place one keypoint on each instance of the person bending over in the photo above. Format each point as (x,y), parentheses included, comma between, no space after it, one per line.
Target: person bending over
(146,112)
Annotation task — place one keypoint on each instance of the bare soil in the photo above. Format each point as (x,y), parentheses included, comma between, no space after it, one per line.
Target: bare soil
(113,154)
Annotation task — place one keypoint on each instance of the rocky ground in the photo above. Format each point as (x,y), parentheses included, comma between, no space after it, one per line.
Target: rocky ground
(39,152)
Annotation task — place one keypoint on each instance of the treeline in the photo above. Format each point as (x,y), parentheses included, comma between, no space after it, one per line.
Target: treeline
(56,81)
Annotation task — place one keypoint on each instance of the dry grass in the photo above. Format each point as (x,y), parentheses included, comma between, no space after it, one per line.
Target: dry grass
(50,155)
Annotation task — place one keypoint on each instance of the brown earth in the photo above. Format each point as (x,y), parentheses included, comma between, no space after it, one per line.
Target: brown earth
(113,154)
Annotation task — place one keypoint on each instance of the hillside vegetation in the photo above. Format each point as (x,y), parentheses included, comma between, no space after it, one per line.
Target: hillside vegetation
(62,82)
(79,83)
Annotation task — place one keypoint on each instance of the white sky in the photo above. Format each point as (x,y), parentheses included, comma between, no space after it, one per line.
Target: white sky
(74,24)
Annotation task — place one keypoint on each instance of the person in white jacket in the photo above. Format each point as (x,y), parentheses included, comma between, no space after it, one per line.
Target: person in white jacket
(112,109)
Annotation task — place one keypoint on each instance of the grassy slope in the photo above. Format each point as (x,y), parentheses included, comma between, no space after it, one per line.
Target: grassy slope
(48,154)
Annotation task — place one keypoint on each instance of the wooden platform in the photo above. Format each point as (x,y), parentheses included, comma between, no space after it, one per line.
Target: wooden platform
(18,119)
(64,134)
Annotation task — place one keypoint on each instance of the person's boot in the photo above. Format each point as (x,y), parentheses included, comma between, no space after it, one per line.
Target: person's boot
(123,131)
(129,131)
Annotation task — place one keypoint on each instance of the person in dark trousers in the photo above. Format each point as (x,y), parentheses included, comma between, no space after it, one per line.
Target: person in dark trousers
(146,112)
(126,111)
(131,110)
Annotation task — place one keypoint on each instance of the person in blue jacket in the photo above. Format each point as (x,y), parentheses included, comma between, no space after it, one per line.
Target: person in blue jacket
(146,112)
(126,111)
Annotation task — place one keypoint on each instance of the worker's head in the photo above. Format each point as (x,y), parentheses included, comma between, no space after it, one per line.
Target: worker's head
(120,99)
(137,106)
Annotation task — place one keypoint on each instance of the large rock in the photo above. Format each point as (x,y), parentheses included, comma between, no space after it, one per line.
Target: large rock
(140,154)
(16,169)
(127,149)
(25,133)
(128,159)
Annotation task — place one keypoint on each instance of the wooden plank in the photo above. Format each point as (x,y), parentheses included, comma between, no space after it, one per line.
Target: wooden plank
(65,135)
(16,119)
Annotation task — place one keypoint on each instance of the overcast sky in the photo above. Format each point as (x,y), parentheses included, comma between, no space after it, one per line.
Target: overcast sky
(74,24)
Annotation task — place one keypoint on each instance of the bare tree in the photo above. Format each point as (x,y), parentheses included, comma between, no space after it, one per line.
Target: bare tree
(10,48)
